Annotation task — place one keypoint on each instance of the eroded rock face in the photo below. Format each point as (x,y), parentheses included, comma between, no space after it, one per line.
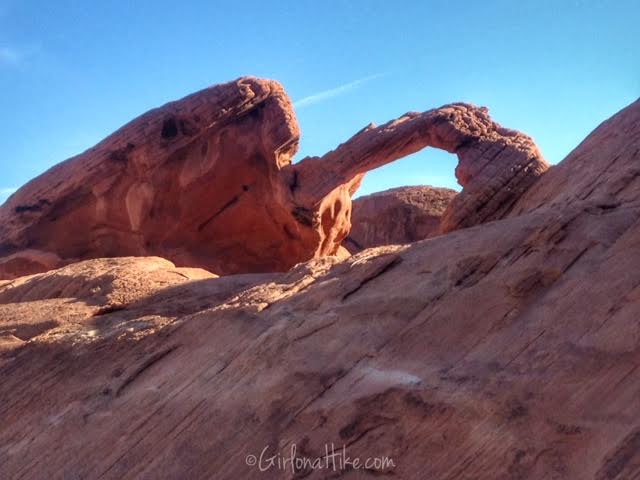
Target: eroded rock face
(495,165)
(195,181)
(397,216)
(509,350)
(207,181)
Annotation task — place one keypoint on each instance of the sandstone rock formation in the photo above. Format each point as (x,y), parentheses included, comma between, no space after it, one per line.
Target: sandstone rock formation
(207,181)
(396,216)
(170,182)
(495,165)
(509,350)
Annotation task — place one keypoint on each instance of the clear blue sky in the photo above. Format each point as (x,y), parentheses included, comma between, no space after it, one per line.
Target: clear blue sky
(71,72)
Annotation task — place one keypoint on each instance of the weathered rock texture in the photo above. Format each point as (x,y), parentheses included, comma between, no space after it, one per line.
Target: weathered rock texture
(396,216)
(509,350)
(495,165)
(194,181)
(207,181)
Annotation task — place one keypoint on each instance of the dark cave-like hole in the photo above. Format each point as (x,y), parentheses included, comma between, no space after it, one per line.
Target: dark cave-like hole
(169,128)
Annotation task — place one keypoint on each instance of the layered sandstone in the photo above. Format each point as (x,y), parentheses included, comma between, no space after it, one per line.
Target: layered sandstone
(207,181)
(509,350)
(171,182)
(495,167)
(397,216)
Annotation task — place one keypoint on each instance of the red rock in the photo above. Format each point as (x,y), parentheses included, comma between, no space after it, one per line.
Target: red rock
(507,350)
(396,216)
(207,181)
(195,181)
(495,165)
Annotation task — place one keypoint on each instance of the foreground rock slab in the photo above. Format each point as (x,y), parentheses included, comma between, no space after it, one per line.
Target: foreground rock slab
(507,350)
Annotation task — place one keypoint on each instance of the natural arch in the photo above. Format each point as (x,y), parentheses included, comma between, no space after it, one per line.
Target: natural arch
(496,165)
(207,181)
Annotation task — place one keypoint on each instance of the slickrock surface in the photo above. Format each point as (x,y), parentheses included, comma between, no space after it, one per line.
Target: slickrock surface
(207,181)
(510,350)
(397,216)
(71,296)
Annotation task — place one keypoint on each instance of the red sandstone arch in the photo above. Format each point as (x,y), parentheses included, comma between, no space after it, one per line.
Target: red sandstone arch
(207,181)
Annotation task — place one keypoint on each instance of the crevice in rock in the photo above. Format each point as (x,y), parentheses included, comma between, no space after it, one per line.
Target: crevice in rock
(383,268)
(36,207)
(226,206)
(145,365)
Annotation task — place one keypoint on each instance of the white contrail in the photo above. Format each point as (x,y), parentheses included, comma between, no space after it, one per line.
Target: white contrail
(333,92)
(7,191)
(10,56)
